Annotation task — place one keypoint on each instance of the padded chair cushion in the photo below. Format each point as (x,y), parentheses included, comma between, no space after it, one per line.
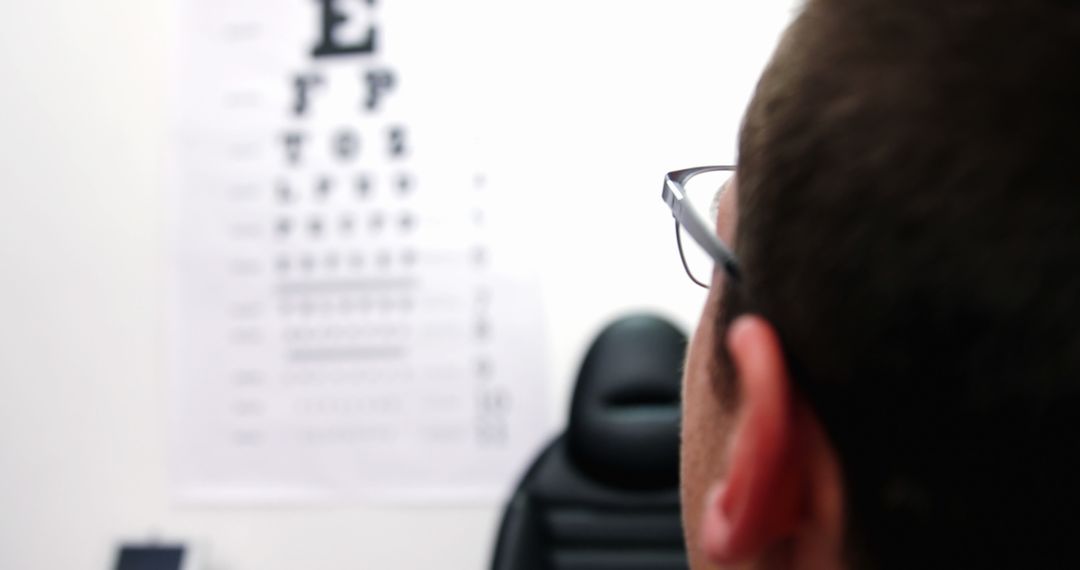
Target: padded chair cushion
(604,496)
(561,520)
(624,419)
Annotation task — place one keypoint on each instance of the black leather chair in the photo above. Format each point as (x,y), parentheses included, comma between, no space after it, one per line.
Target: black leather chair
(604,495)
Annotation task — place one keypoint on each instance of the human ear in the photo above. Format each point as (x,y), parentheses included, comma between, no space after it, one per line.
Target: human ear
(761,498)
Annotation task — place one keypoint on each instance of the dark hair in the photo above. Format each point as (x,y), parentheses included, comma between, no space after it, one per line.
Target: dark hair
(909,221)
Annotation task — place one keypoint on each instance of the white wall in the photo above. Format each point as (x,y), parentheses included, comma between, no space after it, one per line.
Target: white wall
(612,94)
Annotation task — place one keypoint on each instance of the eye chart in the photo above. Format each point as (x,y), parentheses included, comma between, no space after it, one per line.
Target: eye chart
(351,320)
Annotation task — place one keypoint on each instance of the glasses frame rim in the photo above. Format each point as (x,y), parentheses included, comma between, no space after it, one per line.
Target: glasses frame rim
(674,195)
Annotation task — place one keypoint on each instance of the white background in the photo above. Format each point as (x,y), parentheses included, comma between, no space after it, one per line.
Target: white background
(599,99)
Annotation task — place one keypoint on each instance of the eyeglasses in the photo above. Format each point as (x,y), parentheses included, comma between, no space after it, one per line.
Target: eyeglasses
(692,195)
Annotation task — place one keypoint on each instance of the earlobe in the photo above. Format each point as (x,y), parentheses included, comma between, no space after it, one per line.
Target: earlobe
(715,524)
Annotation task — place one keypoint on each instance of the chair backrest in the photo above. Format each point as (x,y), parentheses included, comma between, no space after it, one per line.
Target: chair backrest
(604,495)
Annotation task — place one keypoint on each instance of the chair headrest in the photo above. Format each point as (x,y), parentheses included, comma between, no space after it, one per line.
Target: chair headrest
(624,418)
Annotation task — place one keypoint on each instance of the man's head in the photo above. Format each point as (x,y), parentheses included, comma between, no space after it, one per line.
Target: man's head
(895,380)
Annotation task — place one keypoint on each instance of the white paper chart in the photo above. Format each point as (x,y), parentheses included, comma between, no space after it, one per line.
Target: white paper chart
(349,319)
